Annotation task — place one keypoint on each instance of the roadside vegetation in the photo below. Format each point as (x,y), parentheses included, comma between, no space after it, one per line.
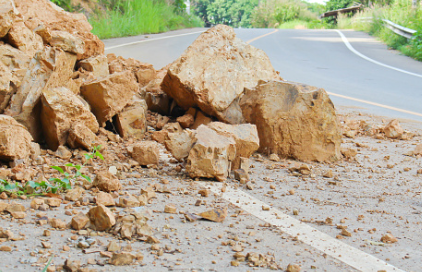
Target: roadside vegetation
(119,18)
(400,12)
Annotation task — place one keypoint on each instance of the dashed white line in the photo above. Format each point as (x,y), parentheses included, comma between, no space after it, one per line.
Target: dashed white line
(303,232)
(150,40)
(350,47)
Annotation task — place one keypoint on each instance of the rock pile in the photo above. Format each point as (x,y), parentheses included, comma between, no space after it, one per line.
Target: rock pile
(59,85)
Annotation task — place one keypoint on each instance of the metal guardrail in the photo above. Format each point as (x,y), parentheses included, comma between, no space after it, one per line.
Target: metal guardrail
(398,29)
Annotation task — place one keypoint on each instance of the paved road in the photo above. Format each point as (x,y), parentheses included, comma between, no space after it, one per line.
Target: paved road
(316,57)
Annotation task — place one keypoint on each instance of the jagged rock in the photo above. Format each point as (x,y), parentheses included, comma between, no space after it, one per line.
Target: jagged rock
(57,223)
(131,121)
(211,155)
(144,72)
(74,194)
(201,119)
(106,181)
(7,16)
(105,199)
(67,42)
(123,258)
(128,201)
(213,72)
(80,136)
(72,266)
(245,136)
(393,129)
(24,39)
(97,65)
(109,95)
(60,109)
(15,140)
(293,120)
(55,18)
(51,68)
(180,143)
(79,221)
(101,217)
(186,120)
(145,153)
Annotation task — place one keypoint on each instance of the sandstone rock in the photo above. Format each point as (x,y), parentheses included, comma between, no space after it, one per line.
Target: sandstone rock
(113,246)
(109,95)
(101,218)
(160,136)
(216,215)
(50,68)
(145,153)
(36,203)
(211,155)
(15,140)
(128,201)
(186,120)
(293,120)
(24,39)
(105,199)
(180,143)
(80,136)
(3,206)
(349,153)
(7,16)
(79,221)
(57,223)
(106,181)
(55,18)
(67,42)
(418,150)
(74,194)
(245,136)
(393,129)
(97,65)
(144,72)
(158,102)
(123,258)
(53,202)
(293,268)
(60,109)
(170,208)
(240,174)
(201,119)
(72,266)
(388,239)
(131,121)
(213,72)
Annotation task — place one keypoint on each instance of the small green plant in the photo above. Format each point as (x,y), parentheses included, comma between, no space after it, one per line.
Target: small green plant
(33,188)
(65,183)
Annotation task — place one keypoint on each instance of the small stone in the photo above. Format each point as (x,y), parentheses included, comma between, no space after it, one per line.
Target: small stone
(328,174)
(204,192)
(293,268)
(57,223)
(53,202)
(170,208)
(295,212)
(101,217)
(123,258)
(274,157)
(72,266)
(47,233)
(66,248)
(79,221)
(46,245)
(105,199)
(346,233)
(241,174)
(113,246)
(36,203)
(216,215)
(388,239)
(152,240)
(5,248)
(107,182)
(265,208)
(234,263)
(74,194)
(128,201)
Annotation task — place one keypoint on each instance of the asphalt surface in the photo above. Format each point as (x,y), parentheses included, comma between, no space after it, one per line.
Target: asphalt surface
(315,57)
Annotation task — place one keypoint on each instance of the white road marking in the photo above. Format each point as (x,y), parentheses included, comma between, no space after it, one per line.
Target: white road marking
(305,233)
(150,40)
(350,47)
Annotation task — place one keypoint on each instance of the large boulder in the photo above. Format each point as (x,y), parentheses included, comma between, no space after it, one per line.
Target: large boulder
(245,136)
(180,143)
(109,95)
(60,109)
(144,72)
(145,153)
(293,120)
(24,39)
(49,69)
(15,140)
(67,42)
(211,155)
(52,18)
(7,16)
(97,65)
(213,72)
(131,121)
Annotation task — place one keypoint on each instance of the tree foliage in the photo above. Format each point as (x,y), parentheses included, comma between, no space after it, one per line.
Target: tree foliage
(235,13)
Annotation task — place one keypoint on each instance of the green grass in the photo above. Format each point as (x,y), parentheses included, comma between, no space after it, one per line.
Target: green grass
(134,17)
(399,12)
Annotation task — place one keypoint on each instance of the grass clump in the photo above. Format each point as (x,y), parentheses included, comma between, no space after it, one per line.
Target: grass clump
(133,17)
(399,12)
